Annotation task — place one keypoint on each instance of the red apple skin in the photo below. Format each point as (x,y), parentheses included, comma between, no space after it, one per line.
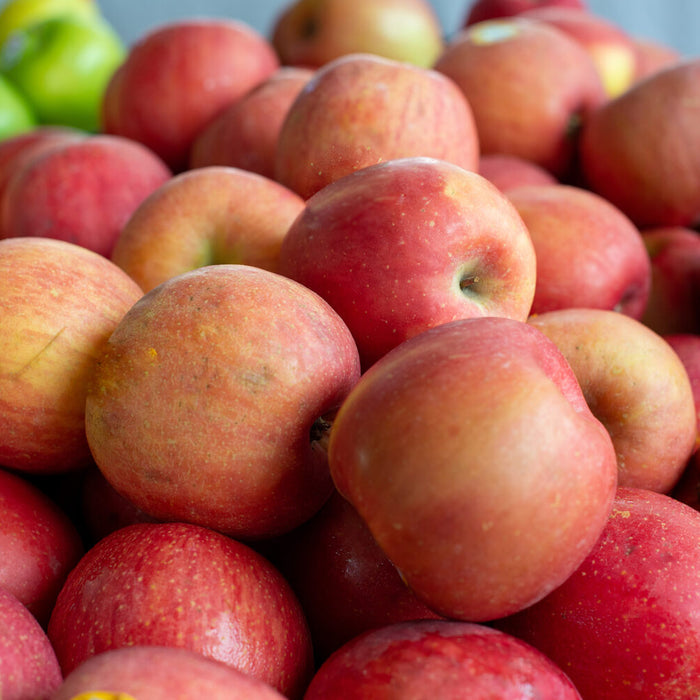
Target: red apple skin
(39,545)
(178,76)
(641,150)
(674,298)
(210,215)
(480,10)
(653,55)
(244,134)
(687,347)
(182,585)
(29,668)
(472,456)
(82,192)
(343,580)
(160,673)
(589,253)
(445,244)
(687,490)
(240,365)
(542,83)
(312,33)
(59,303)
(636,385)
(508,171)
(362,109)
(625,625)
(447,659)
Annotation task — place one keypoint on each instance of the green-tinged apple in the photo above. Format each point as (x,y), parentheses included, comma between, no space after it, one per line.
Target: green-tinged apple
(16,114)
(445,659)
(244,135)
(147,672)
(206,216)
(405,245)
(674,298)
(471,454)
(82,191)
(611,47)
(181,585)
(313,32)
(178,76)
(29,669)
(641,150)
(653,55)
(625,625)
(343,580)
(589,253)
(360,110)
(542,84)
(507,171)
(687,347)
(480,10)
(39,544)
(59,303)
(62,66)
(636,385)
(210,401)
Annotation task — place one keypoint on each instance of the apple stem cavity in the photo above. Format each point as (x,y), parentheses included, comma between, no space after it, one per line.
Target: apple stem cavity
(468,281)
(320,433)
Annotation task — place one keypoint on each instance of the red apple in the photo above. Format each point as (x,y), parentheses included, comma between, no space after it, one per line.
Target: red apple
(636,385)
(541,84)
(181,585)
(687,347)
(508,171)
(206,216)
(480,471)
(361,110)
(315,32)
(29,668)
(407,244)
(244,134)
(674,298)
(653,55)
(625,625)
(641,150)
(209,403)
(588,252)
(480,10)
(178,76)
(82,191)
(687,490)
(160,673)
(59,303)
(344,581)
(447,659)
(39,545)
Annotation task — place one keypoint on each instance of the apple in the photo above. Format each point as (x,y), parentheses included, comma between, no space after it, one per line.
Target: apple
(182,585)
(244,134)
(687,347)
(208,215)
(480,471)
(38,542)
(159,673)
(360,110)
(507,171)
(28,665)
(636,385)
(687,489)
(408,244)
(211,401)
(588,251)
(314,32)
(447,659)
(59,303)
(480,10)
(653,55)
(62,65)
(16,114)
(344,582)
(640,150)
(542,84)
(82,192)
(674,298)
(625,625)
(178,76)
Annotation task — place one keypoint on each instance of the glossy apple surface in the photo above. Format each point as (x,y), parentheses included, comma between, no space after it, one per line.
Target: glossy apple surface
(508,171)
(472,456)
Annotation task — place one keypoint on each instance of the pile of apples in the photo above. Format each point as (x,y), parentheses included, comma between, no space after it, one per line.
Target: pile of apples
(357,361)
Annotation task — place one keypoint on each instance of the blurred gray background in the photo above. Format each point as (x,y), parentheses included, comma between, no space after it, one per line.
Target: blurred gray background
(674,22)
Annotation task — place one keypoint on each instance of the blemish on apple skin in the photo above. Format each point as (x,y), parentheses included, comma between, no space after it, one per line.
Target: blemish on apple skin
(43,350)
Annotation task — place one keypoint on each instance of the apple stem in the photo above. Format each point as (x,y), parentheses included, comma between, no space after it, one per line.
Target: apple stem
(320,433)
